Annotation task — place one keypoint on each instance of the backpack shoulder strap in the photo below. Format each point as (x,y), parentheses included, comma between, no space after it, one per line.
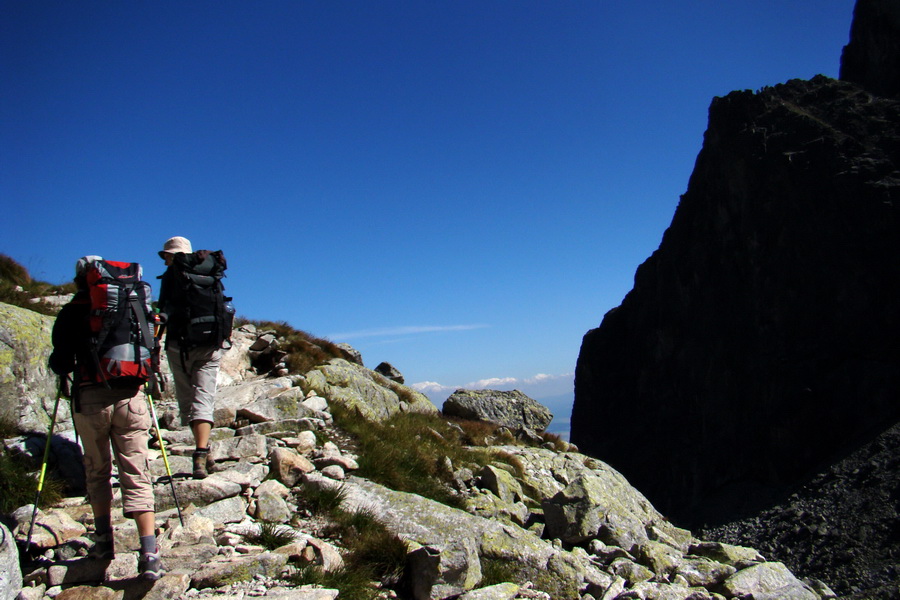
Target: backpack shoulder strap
(146,332)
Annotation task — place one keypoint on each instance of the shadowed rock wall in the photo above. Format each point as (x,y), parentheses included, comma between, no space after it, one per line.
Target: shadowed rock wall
(872,58)
(762,338)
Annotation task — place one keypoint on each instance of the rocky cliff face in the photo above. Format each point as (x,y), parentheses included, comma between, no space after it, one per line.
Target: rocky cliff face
(872,58)
(761,339)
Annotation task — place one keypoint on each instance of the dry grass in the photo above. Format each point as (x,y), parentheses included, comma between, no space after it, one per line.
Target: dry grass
(18,288)
(304,350)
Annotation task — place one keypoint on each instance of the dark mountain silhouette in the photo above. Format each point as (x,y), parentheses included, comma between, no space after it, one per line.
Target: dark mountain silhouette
(761,341)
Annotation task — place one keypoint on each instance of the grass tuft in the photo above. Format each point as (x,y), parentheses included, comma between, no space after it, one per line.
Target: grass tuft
(18,484)
(477,433)
(381,552)
(323,500)
(559,444)
(373,553)
(304,351)
(354,584)
(361,521)
(271,536)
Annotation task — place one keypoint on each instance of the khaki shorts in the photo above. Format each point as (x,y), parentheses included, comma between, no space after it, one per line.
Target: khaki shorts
(120,418)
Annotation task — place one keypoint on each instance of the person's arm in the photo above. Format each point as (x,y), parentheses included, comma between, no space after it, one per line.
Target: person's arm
(165,293)
(64,338)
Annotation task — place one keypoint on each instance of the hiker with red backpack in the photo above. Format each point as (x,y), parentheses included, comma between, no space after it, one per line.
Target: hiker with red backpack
(102,336)
(198,318)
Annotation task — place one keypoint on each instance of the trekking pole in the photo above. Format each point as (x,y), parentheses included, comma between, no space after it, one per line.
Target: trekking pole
(62,387)
(153,387)
(165,457)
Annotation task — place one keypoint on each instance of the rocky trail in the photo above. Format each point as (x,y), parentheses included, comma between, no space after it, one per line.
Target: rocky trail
(540,521)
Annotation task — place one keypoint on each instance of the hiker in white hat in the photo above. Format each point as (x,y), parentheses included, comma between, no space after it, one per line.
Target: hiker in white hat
(194,364)
(173,246)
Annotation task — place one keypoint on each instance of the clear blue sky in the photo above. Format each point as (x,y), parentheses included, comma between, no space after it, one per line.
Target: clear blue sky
(460,188)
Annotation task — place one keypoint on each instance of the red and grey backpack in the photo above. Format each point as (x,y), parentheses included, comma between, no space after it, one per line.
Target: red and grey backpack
(120,321)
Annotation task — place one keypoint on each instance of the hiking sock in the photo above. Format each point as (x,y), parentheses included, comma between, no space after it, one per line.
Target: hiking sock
(104,544)
(103,524)
(148,544)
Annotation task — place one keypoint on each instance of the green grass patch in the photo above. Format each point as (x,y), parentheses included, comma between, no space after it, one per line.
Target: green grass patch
(271,536)
(409,452)
(495,571)
(354,584)
(19,481)
(372,552)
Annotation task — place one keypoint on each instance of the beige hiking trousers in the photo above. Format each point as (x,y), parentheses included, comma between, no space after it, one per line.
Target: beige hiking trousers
(119,418)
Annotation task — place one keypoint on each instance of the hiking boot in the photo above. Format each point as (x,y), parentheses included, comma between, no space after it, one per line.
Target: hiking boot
(201,460)
(150,565)
(103,548)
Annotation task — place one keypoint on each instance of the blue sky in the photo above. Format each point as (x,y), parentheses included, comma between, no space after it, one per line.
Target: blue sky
(462,189)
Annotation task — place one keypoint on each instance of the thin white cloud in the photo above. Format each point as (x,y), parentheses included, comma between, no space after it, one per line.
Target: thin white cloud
(543,378)
(491,382)
(430,387)
(433,387)
(510,381)
(407,330)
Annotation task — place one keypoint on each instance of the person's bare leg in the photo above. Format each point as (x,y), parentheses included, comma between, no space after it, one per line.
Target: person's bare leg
(201,430)
(146,523)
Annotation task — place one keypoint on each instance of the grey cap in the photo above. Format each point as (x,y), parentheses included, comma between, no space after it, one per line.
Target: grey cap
(83,262)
